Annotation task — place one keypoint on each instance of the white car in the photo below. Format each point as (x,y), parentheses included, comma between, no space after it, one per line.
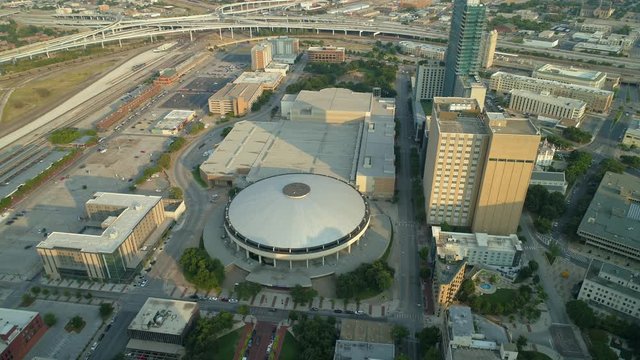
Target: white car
(233,301)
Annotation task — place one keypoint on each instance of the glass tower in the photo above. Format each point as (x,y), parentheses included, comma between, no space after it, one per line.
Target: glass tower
(463,50)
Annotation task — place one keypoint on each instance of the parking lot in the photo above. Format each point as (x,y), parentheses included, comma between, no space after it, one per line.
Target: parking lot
(57,343)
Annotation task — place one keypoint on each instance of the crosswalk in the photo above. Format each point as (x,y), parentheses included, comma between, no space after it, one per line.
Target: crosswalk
(407,316)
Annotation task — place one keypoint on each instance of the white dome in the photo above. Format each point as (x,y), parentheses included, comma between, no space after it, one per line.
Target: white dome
(297,211)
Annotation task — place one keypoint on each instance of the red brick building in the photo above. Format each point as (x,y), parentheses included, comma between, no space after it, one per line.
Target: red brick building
(19,332)
(329,54)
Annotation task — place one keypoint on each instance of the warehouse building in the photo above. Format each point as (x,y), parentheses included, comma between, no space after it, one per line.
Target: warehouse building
(173,122)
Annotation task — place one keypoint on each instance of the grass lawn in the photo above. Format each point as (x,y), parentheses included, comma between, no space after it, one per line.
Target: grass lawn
(290,348)
(501,296)
(43,92)
(226,345)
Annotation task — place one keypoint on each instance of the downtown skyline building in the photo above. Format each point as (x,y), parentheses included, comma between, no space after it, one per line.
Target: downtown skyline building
(463,58)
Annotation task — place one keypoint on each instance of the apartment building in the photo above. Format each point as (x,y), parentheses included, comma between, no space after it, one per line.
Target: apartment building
(426,51)
(429,79)
(330,54)
(612,221)
(20,332)
(478,248)
(477,166)
(261,56)
(458,140)
(596,99)
(285,49)
(558,107)
(610,288)
(236,99)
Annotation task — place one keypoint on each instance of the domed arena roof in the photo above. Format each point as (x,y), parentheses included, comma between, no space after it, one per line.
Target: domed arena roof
(297,211)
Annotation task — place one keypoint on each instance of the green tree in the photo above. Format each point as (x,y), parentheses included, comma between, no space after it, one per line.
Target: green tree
(164,161)
(302,295)
(177,144)
(432,354)
(226,131)
(429,337)
(200,339)
(175,192)
(316,336)
(246,290)
(581,314)
(521,342)
(399,333)
(200,269)
(50,319)
(294,315)
(467,289)
(631,161)
(35,290)
(542,225)
(106,309)
(243,309)
(27,299)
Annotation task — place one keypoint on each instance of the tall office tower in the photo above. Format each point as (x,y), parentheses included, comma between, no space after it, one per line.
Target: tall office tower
(458,140)
(477,167)
(260,56)
(510,159)
(429,79)
(489,42)
(463,51)
(285,49)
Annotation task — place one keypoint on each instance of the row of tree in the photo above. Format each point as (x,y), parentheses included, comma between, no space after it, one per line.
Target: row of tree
(201,340)
(545,205)
(316,337)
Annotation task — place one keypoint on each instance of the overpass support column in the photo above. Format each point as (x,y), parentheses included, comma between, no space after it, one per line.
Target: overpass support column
(274,263)
(220,33)
(337,255)
(290,264)
(237,247)
(119,42)
(102,43)
(345,32)
(247,252)
(307,263)
(317,31)
(349,249)
(191,35)
(333,32)
(250,32)
(231,33)
(323,261)
(151,37)
(360,33)
(260,258)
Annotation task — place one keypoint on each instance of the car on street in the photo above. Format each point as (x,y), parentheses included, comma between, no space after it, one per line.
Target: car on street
(337,311)
(314,309)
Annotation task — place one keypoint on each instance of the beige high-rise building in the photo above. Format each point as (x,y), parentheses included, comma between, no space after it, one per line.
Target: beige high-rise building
(457,143)
(510,159)
(477,167)
(488,49)
(261,56)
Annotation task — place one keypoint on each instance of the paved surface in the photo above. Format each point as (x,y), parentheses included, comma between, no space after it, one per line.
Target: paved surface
(57,342)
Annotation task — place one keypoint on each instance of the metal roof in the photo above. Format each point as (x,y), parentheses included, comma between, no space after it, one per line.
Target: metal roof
(297,211)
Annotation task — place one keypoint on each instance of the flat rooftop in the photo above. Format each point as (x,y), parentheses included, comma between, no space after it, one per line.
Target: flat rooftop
(335,99)
(571,72)
(460,321)
(549,99)
(614,212)
(446,271)
(504,124)
(496,242)
(164,316)
(597,270)
(459,115)
(366,330)
(10,319)
(634,127)
(557,176)
(250,77)
(134,209)
(351,350)
(174,119)
(263,149)
(233,91)
(475,354)
(550,83)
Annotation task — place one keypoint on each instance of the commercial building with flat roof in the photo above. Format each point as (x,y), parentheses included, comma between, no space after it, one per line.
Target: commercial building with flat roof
(261,55)
(477,166)
(478,248)
(285,49)
(426,51)
(236,99)
(173,122)
(125,224)
(268,80)
(612,221)
(571,75)
(544,104)
(552,181)
(447,278)
(160,328)
(596,99)
(632,134)
(337,133)
(546,152)
(610,288)
(20,331)
(599,48)
(330,54)
(348,350)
